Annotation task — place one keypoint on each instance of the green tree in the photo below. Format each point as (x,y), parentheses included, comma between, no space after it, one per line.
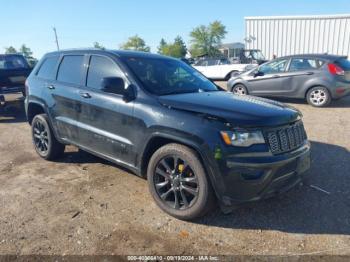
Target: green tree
(136,43)
(177,49)
(161,46)
(10,50)
(206,39)
(25,51)
(99,46)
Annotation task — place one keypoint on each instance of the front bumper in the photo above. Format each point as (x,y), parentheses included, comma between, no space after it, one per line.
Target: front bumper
(250,178)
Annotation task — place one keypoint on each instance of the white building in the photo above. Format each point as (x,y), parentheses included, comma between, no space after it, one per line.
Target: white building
(286,35)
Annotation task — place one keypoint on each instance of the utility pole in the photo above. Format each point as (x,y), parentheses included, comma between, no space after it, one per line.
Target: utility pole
(54,30)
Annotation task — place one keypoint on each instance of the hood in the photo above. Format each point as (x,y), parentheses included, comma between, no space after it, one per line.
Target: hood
(243,111)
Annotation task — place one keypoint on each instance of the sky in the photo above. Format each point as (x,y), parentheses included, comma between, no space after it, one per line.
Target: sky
(80,23)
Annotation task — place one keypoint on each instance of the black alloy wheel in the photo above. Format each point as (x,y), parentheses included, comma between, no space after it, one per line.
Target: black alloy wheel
(176,183)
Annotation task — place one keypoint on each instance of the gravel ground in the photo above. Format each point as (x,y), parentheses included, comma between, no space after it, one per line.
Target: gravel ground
(83,205)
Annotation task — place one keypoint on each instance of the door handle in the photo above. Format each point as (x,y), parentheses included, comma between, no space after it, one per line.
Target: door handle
(275,76)
(85,95)
(309,73)
(51,87)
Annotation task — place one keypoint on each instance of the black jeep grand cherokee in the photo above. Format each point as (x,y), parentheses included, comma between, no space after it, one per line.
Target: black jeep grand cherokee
(163,120)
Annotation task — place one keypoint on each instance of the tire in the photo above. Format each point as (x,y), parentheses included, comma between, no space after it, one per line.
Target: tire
(239,89)
(318,96)
(189,183)
(44,141)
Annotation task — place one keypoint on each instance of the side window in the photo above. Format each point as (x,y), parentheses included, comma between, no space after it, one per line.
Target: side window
(276,66)
(48,68)
(71,69)
(99,68)
(212,62)
(300,64)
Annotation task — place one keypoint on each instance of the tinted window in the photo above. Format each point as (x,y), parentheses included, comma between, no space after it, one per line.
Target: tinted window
(275,66)
(47,69)
(168,76)
(99,68)
(212,62)
(70,70)
(13,62)
(224,62)
(299,64)
(344,64)
(202,63)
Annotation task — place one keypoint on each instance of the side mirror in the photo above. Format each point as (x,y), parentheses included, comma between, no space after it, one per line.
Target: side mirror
(258,73)
(116,85)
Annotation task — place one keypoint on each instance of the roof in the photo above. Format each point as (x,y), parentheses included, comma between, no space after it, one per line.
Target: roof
(338,16)
(321,56)
(120,53)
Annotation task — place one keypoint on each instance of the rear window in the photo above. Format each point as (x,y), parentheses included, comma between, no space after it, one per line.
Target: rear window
(48,68)
(13,62)
(71,69)
(300,64)
(343,63)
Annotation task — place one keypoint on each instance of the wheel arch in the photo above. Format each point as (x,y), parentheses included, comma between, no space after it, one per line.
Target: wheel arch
(33,109)
(228,76)
(161,139)
(316,85)
(158,140)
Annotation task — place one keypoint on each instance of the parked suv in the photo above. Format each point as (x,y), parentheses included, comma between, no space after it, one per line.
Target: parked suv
(163,120)
(316,78)
(14,70)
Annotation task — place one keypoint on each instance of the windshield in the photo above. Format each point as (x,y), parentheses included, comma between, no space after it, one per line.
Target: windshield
(13,62)
(163,76)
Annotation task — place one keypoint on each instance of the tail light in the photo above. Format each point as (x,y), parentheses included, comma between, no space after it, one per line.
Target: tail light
(335,70)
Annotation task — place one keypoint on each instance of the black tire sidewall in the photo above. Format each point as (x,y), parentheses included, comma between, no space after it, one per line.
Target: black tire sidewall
(199,208)
(43,119)
(328,100)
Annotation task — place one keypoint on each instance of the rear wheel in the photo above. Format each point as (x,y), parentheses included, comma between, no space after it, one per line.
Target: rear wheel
(45,143)
(178,182)
(318,96)
(239,89)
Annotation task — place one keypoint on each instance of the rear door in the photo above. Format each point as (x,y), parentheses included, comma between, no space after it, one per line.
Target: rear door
(105,118)
(63,96)
(270,81)
(300,70)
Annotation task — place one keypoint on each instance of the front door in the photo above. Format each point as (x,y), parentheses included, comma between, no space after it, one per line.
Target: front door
(269,78)
(105,118)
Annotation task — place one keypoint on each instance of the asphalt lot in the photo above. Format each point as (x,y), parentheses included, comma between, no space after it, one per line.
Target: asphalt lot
(81,204)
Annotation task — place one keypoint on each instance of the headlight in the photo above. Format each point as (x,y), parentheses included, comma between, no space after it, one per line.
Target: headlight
(241,138)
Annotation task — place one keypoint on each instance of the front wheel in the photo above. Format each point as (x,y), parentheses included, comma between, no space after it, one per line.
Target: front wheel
(240,89)
(178,182)
(318,96)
